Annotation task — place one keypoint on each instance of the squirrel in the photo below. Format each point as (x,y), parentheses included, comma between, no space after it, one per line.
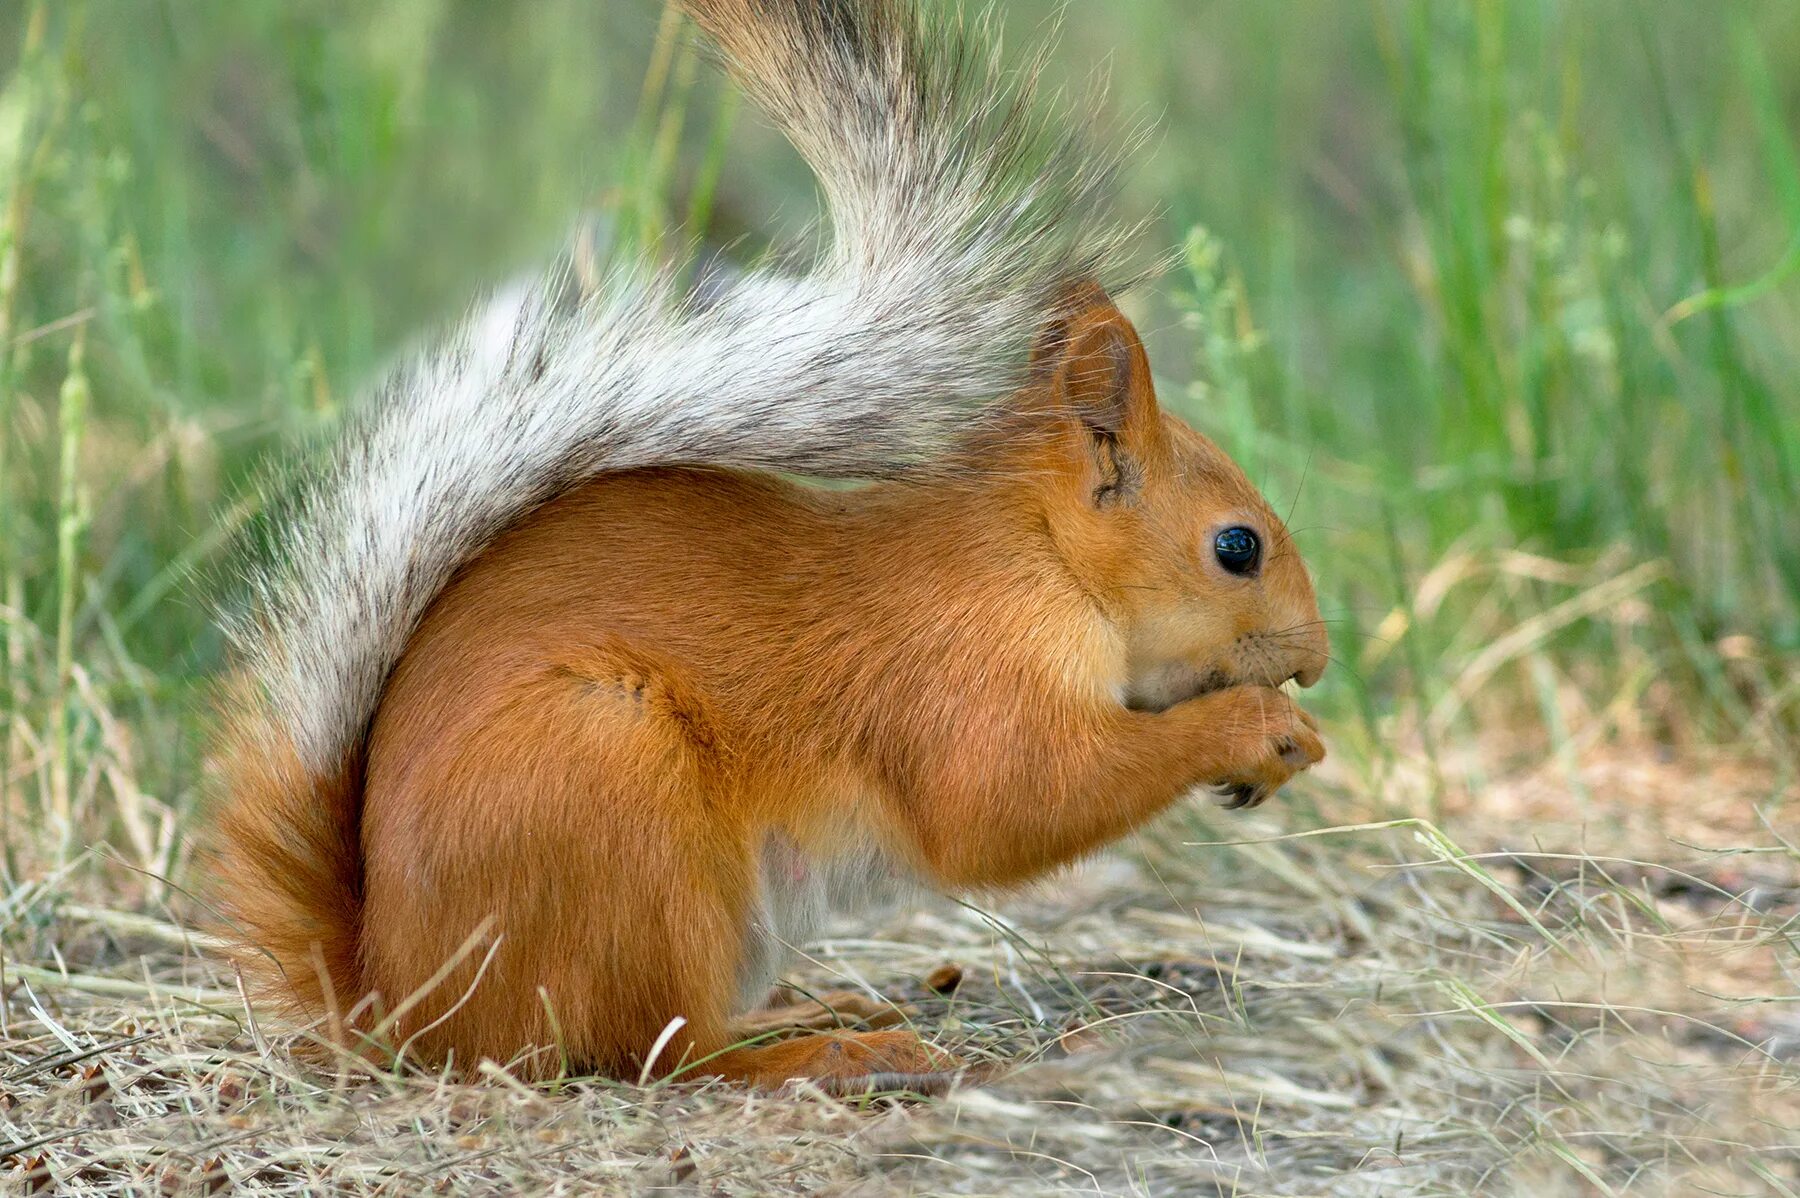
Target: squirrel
(569,701)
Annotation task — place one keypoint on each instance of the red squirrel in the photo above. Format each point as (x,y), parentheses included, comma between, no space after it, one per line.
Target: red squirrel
(566,707)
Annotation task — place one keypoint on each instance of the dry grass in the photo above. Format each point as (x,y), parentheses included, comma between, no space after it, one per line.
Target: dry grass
(1366,1009)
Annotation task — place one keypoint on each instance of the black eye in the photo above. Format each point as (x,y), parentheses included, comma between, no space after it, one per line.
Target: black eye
(1238,550)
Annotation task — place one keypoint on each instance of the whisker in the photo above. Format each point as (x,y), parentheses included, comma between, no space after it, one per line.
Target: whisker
(1295,502)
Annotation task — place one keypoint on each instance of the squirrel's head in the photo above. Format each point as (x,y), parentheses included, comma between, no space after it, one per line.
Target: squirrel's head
(1163,531)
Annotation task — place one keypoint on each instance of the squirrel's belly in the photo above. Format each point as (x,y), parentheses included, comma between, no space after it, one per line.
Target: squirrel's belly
(802,892)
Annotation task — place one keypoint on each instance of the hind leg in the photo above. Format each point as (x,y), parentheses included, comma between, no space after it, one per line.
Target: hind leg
(573,832)
(575,844)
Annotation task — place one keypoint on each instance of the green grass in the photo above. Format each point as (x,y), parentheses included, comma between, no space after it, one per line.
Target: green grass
(1464,282)
(1500,299)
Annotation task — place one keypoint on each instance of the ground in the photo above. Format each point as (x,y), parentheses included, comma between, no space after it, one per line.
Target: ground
(1601,1006)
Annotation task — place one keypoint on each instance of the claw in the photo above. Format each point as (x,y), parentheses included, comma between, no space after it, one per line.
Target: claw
(1243,796)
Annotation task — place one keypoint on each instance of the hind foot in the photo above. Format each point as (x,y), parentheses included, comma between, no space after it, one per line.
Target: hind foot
(843,1063)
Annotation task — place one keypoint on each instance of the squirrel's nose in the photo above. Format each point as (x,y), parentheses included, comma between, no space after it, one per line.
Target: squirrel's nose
(1311,672)
(1316,654)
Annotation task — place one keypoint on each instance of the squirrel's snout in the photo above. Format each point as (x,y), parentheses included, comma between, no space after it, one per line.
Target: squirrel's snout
(1312,655)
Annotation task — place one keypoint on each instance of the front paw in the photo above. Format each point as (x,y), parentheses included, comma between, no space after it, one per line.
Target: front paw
(1268,739)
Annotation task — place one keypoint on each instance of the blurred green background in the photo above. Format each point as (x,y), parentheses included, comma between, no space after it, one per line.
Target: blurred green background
(1500,299)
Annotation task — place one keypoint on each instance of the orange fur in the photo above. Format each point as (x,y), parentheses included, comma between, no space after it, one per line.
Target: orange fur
(577,771)
(290,879)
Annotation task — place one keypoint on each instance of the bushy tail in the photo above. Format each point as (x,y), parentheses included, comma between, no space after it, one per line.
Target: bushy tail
(959,215)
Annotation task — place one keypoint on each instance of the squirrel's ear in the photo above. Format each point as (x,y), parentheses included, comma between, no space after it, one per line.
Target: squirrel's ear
(1095,369)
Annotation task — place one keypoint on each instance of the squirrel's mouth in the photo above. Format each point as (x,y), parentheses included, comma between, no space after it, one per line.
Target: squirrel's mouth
(1168,685)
